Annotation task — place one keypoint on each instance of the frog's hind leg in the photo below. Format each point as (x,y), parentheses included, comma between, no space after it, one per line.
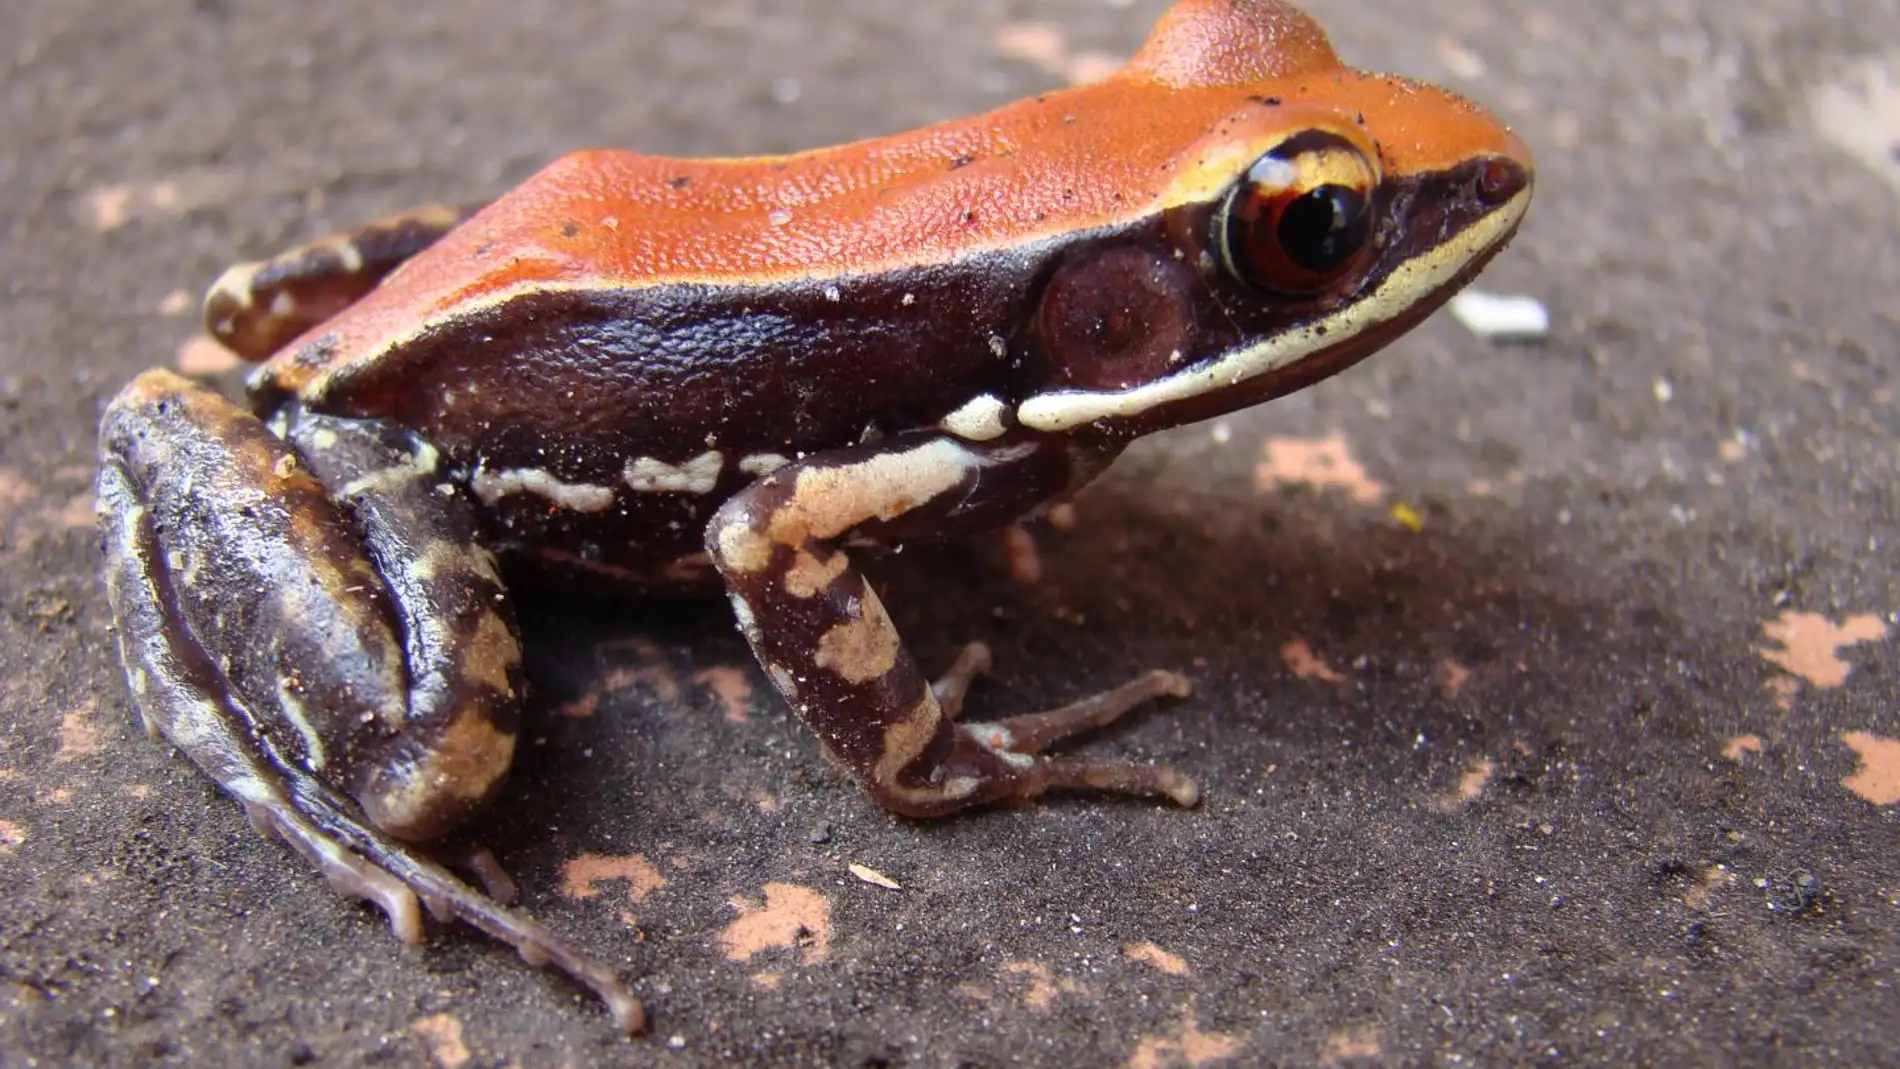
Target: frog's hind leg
(255,308)
(310,621)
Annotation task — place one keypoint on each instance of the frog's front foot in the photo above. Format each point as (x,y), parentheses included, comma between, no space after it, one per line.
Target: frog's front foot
(831,650)
(307,615)
(1032,733)
(1018,737)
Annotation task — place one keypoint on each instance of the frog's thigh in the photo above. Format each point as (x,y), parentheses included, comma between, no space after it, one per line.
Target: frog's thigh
(254,308)
(301,638)
(831,650)
(361,635)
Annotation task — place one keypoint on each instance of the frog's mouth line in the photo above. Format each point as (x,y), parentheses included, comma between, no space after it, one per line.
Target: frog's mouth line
(1411,284)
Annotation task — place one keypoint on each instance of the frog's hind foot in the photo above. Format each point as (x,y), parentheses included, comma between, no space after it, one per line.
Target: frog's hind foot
(394,877)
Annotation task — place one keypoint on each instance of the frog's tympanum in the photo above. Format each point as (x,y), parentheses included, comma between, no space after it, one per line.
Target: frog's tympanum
(744,373)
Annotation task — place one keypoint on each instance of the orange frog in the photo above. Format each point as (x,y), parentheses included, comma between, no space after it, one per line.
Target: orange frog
(737,372)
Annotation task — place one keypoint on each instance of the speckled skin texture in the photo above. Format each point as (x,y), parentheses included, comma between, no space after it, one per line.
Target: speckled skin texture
(1521,781)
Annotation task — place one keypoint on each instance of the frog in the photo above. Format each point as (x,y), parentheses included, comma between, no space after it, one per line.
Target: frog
(747,375)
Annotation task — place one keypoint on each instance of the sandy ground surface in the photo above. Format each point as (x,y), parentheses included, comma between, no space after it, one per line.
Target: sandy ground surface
(1549,702)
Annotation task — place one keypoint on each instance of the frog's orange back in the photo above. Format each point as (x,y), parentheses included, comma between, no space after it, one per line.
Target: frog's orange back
(1054,165)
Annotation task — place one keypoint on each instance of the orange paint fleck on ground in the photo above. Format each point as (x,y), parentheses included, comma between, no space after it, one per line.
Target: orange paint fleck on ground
(769,980)
(1186,1046)
(791,917)
(200,354)
(78,737)
(1318,462)
(1812,644)
(13,489)
(580,708)
(442,1034)
(138,790)
(1305,664)
(1038,43)
(1354,1043)
(1878,777)
(1044,45)
(76,512)
(659,677)
(1700,894)
(80,511)
(1471,785)
(175,303)
(732,688)
(1044,986)
(11,836)
(108,207)
(1475,779)
(1741,746)
(1783,690)
(581,877)
(1152,954)
(973,992)
(1452,678)
(651,668)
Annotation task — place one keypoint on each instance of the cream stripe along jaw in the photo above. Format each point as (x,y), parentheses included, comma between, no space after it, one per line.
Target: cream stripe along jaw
(1412,281)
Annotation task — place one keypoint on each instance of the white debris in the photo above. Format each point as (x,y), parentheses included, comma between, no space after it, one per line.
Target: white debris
(1501,316)
(873,876)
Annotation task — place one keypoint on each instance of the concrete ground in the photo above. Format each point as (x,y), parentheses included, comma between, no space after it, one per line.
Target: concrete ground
(1548,699)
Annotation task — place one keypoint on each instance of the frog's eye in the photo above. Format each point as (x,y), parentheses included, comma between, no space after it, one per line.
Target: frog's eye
(1300,219)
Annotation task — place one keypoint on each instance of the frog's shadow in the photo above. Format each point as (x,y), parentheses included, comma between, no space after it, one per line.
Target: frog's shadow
(1263,606)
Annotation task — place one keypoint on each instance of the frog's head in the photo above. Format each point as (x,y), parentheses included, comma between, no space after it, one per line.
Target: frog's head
(1326,212)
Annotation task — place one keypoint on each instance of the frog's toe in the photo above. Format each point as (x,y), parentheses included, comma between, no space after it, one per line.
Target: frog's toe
(974,660)
(478,861)
(1019,740)
(1032,733)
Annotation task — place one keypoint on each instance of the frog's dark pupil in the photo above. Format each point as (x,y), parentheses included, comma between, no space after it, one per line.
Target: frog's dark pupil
(1324,228)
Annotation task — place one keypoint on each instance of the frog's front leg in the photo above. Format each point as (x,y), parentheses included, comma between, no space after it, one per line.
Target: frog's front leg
(831,650)
(308,616)
(255,308)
